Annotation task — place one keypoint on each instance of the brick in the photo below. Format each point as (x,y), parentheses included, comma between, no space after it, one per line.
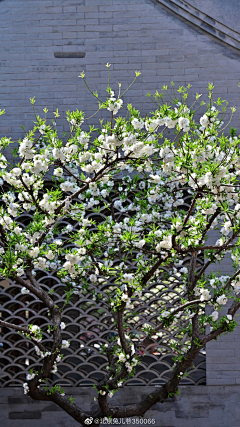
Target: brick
(222,381)
(26,415)
(18,400)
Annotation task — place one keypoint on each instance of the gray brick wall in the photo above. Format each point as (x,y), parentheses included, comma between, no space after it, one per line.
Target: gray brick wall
(210,406)
(131,35)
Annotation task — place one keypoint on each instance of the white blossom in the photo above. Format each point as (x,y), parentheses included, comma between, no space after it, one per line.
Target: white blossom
(205,295)
(137,123)
(25,388)
(214,316)
(204,121)
(24,290)
(222,299)
(184,123)
(30,376)
(122,357)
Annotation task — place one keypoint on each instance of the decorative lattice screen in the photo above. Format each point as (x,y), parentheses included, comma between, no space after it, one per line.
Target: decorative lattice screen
(88,325)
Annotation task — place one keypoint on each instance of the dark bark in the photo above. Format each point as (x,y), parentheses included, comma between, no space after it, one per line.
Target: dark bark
(73,410)
(36,290)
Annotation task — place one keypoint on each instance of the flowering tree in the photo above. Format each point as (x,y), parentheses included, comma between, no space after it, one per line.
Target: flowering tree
(125,158)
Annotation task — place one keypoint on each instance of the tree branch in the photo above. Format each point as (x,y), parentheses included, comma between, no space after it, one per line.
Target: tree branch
(71,408)
(37,290)
(150,273)
(25,330)
(190,209)
(214,334)
(180,308)
(12,326)
(121,330)
(231,279)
